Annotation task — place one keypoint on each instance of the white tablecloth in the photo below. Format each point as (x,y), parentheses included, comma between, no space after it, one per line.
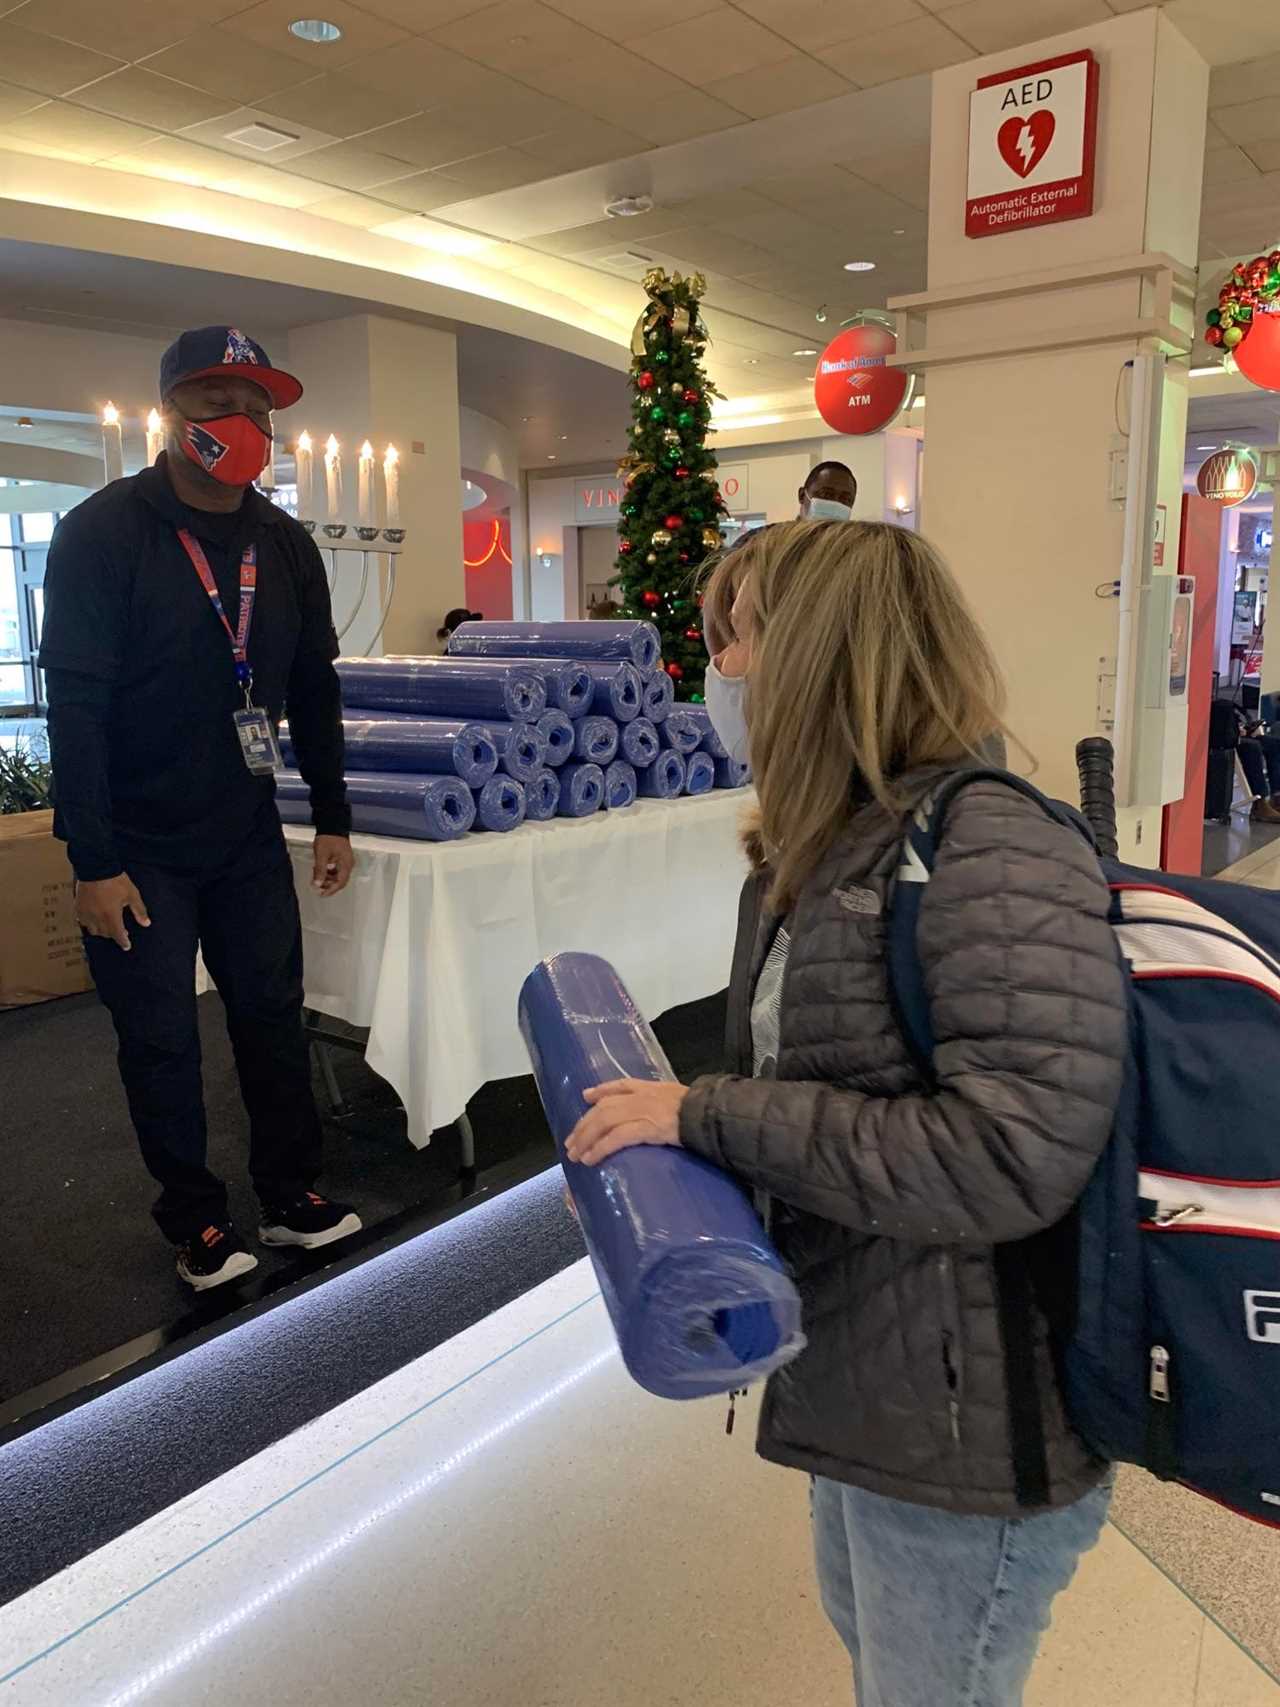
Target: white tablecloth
(430,944)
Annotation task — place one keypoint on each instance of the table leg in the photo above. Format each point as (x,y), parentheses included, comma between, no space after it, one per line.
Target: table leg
(468,1141)
(337,1104)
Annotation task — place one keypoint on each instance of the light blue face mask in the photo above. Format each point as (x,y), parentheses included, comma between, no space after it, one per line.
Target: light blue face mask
(726,698)
(827,510)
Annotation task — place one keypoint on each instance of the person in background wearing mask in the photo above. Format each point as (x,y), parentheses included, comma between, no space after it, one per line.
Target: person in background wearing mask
(183,611)
(943,1531)
(829,494)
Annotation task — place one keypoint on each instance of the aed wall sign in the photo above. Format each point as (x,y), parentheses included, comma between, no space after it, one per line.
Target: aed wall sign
(1032,142)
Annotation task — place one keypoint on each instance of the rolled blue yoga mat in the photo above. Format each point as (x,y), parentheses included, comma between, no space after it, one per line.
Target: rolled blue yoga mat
(521,747)
(639,742)
(568,683)
(658,697)
(664,779)
(500,804)
(709,741)
(542,796)
(442,687)
(558,733)
(699,773)
(698,1298)
(581,790)
(637,642)
(423,808)
(680,731)
(620,786)
(419,746)
(596,739)
(619,690)
(732,774)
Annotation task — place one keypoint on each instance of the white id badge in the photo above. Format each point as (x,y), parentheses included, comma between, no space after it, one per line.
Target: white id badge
(257,738)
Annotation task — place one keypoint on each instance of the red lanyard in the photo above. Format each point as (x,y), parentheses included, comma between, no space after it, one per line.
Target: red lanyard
(248,591)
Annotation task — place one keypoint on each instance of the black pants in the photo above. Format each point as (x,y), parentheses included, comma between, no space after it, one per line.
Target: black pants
(1260,761)
(243,915)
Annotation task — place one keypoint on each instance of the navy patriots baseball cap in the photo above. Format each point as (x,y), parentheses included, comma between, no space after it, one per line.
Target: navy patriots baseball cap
(213,350)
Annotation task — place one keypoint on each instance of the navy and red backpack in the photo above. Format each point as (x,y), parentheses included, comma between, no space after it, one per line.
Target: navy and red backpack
(1162,1287)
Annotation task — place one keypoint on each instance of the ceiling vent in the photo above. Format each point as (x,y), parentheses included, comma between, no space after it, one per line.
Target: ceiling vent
(627,207)
(629,262)
(263,137)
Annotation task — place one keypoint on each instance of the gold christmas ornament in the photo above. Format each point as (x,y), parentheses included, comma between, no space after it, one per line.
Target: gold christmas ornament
(660,537)
(711,539)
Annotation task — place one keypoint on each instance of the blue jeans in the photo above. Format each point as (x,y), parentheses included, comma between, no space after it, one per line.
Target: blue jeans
(939,1610)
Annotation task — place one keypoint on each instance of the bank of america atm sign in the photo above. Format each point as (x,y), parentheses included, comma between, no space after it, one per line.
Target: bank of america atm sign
(1032,142)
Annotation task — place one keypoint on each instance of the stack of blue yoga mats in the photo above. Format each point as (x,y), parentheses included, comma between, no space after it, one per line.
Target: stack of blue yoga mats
(699,1299)
(522,721)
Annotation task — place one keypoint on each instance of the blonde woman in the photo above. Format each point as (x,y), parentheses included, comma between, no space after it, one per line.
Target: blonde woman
(867,679)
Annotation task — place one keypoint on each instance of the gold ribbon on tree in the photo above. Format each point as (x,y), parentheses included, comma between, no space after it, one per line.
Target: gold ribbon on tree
(662,290)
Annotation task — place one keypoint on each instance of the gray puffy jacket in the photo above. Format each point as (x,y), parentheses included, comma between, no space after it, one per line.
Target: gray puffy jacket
(888,1199)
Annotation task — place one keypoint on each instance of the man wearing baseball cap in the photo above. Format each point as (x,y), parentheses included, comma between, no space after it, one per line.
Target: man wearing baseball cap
(183,612)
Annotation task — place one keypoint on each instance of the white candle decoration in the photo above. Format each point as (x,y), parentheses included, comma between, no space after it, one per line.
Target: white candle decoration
(112,443)
(391,475)
(305,476)
(365,517)
(155,436)
(267,479)
(333,477)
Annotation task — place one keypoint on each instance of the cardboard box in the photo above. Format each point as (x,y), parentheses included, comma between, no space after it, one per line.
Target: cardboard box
(41,955)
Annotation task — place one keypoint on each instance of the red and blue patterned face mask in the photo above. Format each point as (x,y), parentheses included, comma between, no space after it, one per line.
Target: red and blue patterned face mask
(232,448)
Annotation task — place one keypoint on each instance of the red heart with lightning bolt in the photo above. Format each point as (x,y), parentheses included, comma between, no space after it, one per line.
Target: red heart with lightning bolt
(1023,143)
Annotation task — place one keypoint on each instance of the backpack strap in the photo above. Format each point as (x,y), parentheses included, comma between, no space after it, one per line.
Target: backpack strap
(1016,1292)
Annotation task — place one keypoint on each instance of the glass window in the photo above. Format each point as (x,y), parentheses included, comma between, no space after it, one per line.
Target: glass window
(36,528)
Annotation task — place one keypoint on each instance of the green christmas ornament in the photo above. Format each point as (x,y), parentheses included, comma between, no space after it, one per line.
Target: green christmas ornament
(1232,336)
(658,413)
(684,418)
(662,356)
(1214,316)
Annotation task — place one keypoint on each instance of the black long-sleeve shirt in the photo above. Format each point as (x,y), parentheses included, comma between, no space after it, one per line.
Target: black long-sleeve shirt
(140,678)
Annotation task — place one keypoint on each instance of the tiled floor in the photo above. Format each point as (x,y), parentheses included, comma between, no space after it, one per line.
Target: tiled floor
(509,1522)
(1260,868)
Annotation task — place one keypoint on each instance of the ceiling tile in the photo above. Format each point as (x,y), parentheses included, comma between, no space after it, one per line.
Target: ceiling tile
(218,133)
(123,29)
(991,25)
(880,56)
(267,24)
(623,20)
(605,80)
(215,60)
(175,158)
(14,101)
(718,251)
(814,24)
(1264,154)
(712,46)
(268,184)
(71,133)
(780,88)
(420,192)
(515,35)
(347,166)
(1252,80)
(1252,121)
(584,141)
(781,229)
(903,172)
(682,116)
(497,169)
(430,139)
(1228,165)
(348,107)
(360,211)
(144,97)
(52,67)
(426,72)
(422,15)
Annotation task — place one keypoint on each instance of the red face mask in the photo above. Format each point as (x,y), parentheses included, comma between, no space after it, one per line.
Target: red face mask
(232,448)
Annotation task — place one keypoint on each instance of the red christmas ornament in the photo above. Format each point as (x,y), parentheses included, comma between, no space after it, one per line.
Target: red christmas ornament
(675,672)
(1213,335)
(1258,271)
(684,556)
(624,546)
(682,473)
(692,395)
(693,634)
(673,523)
(650,599)
(645,381)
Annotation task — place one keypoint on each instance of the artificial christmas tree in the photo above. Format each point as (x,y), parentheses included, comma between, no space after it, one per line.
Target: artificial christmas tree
(671,508)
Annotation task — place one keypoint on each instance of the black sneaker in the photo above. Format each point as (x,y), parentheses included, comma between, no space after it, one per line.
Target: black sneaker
(213,1257)
(309,1223)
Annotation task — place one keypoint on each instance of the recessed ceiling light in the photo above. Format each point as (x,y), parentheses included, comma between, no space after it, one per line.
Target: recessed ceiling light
(627,207)
(820,315)
(551,457)
(1198,447)
(899,231)
(564,438)
(804,352)
(859,266)
(315,30)
(752,361)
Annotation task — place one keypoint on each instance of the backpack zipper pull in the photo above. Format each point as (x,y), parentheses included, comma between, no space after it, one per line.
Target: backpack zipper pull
(1160,1375)
(734,1395)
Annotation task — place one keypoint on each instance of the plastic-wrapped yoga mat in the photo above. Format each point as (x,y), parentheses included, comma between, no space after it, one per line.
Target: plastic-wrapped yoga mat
(388,803)
(620,785)
(442,687)
(699,1299)
(521,747)
(680,731)
(500,804)
(596,739)
(568,683)
(542,796)
(619,690)
(639,742)
(730,773)
(581,790)
(658,697)
(557,731)
(699,773)
(419,746)
(709,741)
(637,642)
(664,778)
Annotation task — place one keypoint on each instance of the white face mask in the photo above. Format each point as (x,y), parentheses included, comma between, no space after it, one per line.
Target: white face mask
(726,698)
(826,510)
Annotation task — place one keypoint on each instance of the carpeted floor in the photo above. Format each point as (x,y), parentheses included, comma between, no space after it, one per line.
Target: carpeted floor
(82,1267)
